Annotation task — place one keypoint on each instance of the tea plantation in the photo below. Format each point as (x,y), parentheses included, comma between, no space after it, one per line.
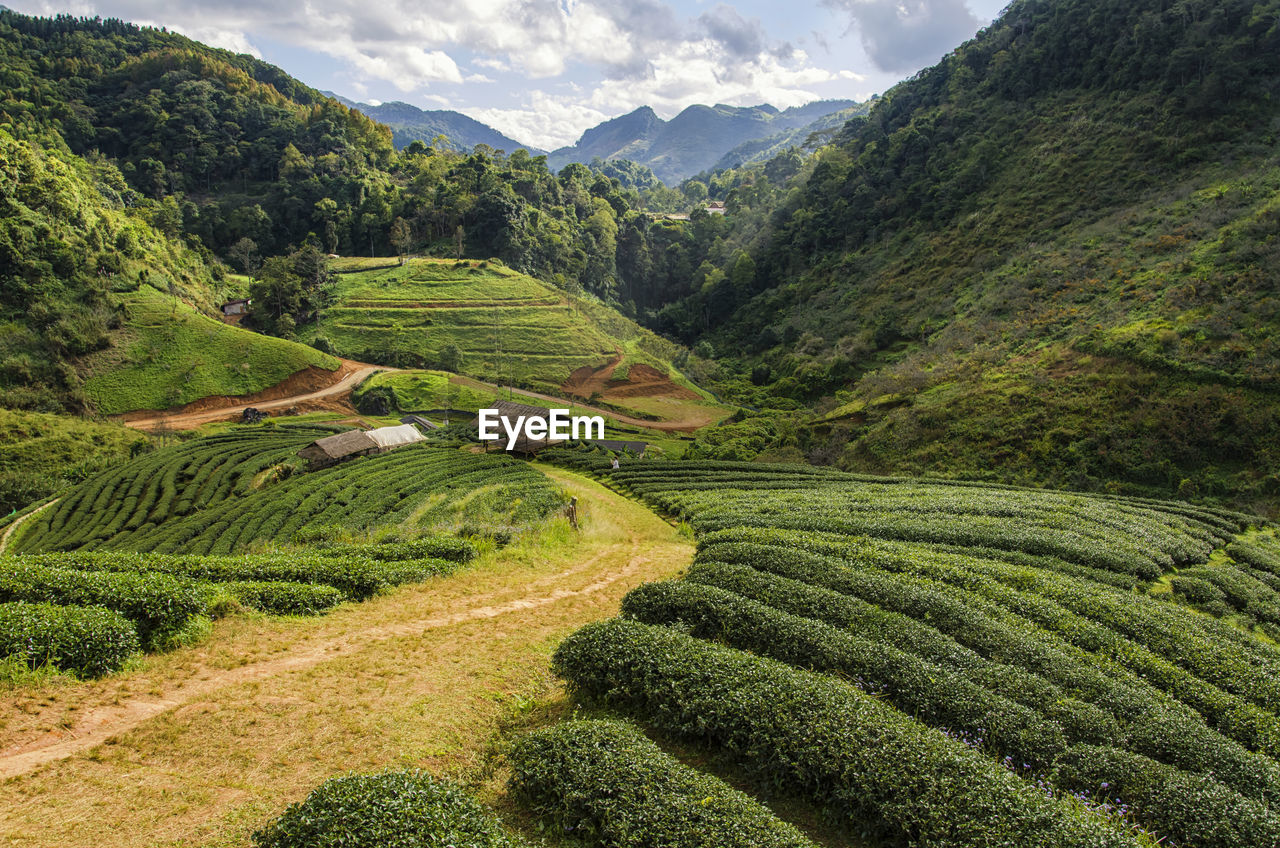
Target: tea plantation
(935,663)
(140,557)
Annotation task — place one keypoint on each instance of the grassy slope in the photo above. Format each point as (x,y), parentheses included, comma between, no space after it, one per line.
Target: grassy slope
(1124,347)
(509,327)
(986,226)
(168,354)
(418,677)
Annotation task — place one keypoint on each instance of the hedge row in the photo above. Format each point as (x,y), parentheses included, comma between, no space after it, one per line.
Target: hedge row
(870,765)
(407,809)
(284,598)
(431,547)
(90,641)
(931,694)
(1151,723)
(1081,721)
(604,782)
(1192,810)
(157,604)
(1224,674)
(358,578)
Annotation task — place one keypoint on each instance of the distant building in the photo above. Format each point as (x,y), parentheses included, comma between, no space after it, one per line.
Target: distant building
(236,307)
(339,447)
(424,423)
(716,207)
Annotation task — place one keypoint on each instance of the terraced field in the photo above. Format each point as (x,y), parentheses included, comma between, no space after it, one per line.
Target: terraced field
(509,328)
(221,494)
(944,664)
(96,602)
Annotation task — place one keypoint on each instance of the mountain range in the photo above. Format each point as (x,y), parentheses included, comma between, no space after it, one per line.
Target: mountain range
(698,139)
(408,124)
(694,140)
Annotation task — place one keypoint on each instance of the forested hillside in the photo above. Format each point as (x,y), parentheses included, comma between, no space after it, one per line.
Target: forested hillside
(1052,257)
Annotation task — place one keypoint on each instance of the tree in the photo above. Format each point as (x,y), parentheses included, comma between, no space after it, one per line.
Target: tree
(458,237)
(245,252)
(401,237)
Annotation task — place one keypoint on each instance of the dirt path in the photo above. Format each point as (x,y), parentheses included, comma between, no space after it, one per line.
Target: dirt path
(684,425)
(201,746)
(219,409)
(17,522)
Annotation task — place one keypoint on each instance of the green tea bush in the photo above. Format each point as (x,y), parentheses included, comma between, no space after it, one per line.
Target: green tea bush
(875,768)
(158,604)
(89,641)
(918,688)
(1080,721)
(605,783)
(356,577)
(283,598)
(430,547)
(406,809)
(1189,809)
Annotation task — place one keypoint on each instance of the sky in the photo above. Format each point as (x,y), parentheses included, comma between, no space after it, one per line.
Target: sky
(543,71)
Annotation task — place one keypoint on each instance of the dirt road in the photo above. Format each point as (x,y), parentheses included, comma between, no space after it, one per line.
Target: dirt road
(351,375)
(684,425)
(18,522)
(203,745)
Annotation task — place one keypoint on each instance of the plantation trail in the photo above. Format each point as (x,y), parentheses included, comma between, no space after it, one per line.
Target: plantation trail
(315,389)
(308,390)
(205,744)
(696,419)
(18,522)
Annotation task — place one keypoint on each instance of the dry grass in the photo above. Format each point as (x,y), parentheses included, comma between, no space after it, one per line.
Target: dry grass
(212,741)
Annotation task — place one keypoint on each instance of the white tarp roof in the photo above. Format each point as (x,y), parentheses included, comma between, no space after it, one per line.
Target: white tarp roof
(394,437)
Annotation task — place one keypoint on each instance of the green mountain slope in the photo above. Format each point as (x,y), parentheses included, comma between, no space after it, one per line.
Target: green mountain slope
(1068,227)
(99,309)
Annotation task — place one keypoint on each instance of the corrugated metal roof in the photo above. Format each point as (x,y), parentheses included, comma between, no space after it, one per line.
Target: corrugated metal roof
(394,437)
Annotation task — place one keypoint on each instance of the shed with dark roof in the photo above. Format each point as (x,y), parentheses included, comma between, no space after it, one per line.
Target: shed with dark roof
(338,447)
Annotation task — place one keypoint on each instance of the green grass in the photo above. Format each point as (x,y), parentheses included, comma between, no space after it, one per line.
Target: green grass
(59,445)
(170,354)
(509,327)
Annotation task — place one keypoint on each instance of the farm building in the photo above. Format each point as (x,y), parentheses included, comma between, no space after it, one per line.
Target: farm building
(338,447)
(424,423)
(508,414)
(236,307)
(716,207)
(390,438)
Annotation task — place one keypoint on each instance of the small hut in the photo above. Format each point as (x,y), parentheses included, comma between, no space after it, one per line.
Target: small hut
(390,438)
(338,447)
(425,423)
(240,306)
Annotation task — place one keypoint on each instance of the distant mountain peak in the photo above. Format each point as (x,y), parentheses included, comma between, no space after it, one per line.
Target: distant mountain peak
(410,123)
(691,142)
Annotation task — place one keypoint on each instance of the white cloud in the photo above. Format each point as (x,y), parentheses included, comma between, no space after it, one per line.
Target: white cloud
(904,35)
(606,56)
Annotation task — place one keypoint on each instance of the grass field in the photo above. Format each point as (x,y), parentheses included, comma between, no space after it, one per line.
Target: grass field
(169,354)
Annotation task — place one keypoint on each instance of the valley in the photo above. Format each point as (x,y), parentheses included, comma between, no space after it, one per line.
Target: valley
(936,503)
